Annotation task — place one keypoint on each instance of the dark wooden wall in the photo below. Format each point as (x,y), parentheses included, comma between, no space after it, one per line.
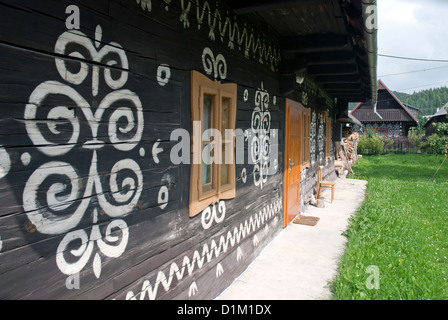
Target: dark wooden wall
(91,206)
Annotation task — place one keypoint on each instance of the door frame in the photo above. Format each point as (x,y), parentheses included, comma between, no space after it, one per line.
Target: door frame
(290,104)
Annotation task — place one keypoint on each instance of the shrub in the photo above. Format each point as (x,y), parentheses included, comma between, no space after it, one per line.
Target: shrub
(416,139)
(388,143)
(438,142)
(370,145)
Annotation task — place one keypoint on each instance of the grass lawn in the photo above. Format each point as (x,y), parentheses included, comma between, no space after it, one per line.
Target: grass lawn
(398,240)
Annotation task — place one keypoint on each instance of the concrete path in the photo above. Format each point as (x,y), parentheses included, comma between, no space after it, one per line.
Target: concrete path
(300,262)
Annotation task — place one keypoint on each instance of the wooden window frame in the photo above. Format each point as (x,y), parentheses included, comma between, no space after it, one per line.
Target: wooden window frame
(201,86)
(327,121)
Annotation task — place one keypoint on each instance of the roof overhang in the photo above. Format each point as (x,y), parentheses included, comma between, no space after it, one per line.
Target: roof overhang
(350,119)
(334,42)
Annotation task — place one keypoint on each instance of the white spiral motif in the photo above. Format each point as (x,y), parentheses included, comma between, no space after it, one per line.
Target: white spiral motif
(59,115)
(118,135)
(47,214)
(77,38)
(255,149)
(85,250)
(126,194)
(5,162)
(209,215)
(216,66)
(221,67)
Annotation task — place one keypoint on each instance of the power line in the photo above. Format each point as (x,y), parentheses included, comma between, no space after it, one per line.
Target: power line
(446,81)
(407,58)
(414,71)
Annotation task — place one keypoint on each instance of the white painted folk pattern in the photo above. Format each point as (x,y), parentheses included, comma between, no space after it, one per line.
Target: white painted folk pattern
(209,215)
(61,212)
(260,141)
(225,27)
(216,66)
(5,162)
(198,260)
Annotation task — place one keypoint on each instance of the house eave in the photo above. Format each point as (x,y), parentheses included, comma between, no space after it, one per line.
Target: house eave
(333,42)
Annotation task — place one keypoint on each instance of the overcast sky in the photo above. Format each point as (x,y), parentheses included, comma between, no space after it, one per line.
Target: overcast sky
(415,29)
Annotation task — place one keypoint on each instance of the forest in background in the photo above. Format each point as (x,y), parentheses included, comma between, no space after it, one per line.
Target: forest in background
(427,101)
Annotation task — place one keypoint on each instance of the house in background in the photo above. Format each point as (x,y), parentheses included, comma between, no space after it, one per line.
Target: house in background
(103,194)
(391,118)
(439,116)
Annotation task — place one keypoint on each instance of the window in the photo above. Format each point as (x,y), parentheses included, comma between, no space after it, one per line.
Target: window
(376,133)
(327,121)
(306,122)
(381,133)
(213,112)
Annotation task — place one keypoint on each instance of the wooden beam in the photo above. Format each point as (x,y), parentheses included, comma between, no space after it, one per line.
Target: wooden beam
(292,65)
(351,98)
(341,69)
(337,79)
(330,57)
(248,6)
(314,43)
(346,86)
(288,84)
(350,90)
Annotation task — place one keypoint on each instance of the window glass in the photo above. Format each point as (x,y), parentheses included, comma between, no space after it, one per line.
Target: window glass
(225,113)
(207,116)
(381,133)
(207,169)
(224,166)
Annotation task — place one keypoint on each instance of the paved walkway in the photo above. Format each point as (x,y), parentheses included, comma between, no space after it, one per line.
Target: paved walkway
(300,262)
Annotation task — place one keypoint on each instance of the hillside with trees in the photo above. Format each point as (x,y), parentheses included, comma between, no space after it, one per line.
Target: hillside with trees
(427,101)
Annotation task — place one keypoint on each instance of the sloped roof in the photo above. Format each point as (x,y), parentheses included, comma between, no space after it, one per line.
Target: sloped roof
(411,109)
(364,111)
(440,113)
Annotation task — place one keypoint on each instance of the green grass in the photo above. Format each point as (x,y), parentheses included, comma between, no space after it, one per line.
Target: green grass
(401,228)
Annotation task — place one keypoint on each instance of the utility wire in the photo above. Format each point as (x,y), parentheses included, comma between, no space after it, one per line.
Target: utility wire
(414,71)
(407,58)
(430,84)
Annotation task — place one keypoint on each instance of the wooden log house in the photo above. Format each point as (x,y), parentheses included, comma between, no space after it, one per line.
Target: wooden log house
(392,118)
(100,105)
(440,116)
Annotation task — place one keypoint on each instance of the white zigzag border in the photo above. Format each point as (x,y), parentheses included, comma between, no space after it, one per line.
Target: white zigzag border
(255,222)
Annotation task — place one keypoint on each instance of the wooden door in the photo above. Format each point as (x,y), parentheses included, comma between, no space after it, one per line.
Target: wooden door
(292,159)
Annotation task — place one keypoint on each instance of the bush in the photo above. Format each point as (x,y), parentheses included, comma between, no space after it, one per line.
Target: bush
(388,143)
(371,145)
(438,142)
(415,138)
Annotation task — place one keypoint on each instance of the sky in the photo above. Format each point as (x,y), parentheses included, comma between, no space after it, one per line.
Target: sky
(413,29)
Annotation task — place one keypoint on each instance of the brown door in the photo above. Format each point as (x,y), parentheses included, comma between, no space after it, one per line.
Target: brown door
(292,159)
